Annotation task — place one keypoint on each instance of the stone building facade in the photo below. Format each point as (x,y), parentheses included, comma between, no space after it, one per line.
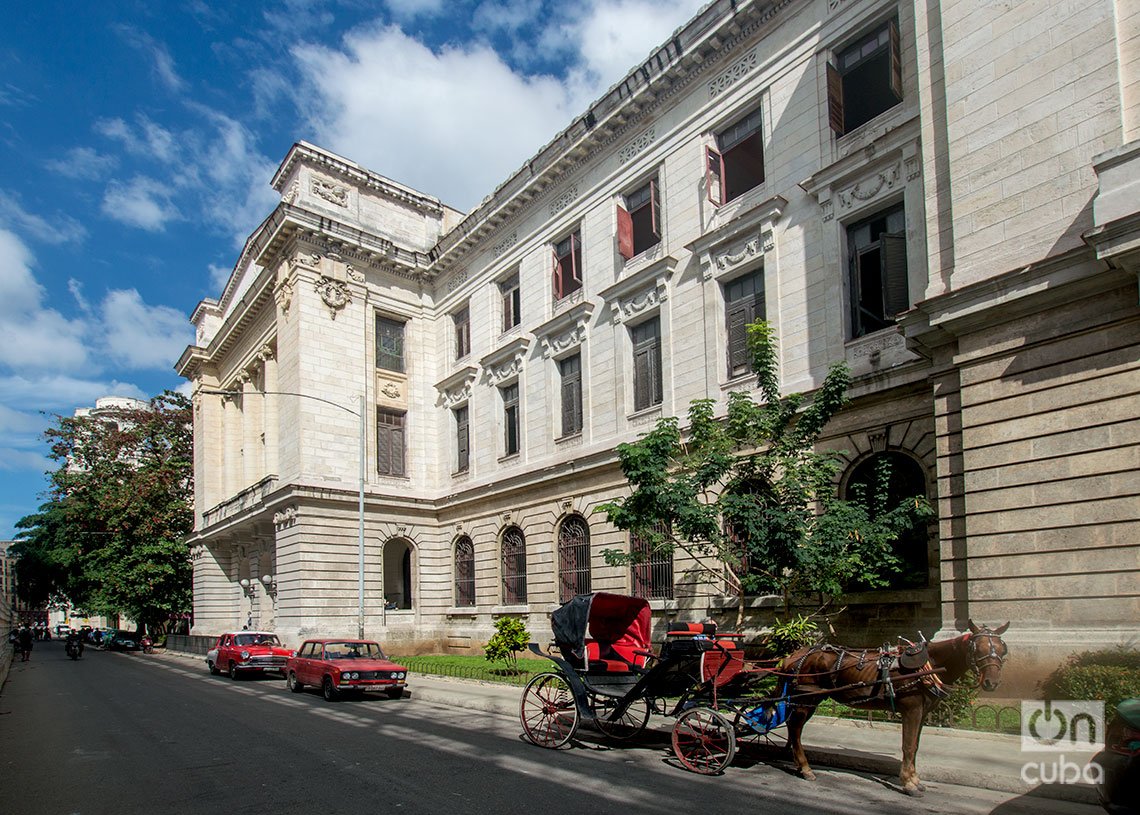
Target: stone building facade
(945,195)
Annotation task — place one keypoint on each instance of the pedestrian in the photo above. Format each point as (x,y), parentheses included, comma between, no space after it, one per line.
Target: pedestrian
(25,643)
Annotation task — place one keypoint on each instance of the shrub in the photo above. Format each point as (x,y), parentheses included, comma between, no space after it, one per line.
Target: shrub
(1110,674)
(784,638)
(509,639)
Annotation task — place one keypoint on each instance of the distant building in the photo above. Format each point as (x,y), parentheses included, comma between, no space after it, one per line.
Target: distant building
(943,195)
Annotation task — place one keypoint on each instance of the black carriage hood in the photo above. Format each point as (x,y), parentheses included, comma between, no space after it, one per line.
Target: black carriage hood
(569,623)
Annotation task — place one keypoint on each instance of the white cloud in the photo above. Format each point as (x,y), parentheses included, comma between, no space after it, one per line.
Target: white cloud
(411,9)
(147,138)
(142,336)
(452,123)
(59,393)
(141,202)
(219,276)
(58,229)
(14,460)
(83,164)
(162,63)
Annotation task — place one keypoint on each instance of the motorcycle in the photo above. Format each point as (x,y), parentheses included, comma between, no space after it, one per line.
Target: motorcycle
(74,649)
(147,645)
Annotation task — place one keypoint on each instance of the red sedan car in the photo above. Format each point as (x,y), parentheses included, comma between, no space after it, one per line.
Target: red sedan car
(247,652)
(339,666)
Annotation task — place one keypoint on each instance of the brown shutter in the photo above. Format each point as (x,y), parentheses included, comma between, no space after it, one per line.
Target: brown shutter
(737,337)
(624,232)
(397,448)
(896,294)
(834,99)
(557,275)
(654,209)
(462,438)
(656,395)
(896,60)
(575,258)
(641,387)
(714,176)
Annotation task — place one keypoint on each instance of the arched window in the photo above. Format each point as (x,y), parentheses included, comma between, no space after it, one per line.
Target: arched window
(906,480)
(573,558)
(514,566)
(464,572)
(651,572)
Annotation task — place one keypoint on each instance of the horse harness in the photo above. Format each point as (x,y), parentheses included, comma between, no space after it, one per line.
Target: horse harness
(909,660)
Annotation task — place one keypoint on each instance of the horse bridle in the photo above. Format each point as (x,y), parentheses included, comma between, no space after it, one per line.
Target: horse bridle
(993,656)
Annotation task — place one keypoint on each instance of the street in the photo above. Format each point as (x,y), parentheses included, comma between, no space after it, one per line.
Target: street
(132,733)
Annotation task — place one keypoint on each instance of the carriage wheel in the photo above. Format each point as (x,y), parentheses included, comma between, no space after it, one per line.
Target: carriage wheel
(704,741)
(631,723)
(548,713)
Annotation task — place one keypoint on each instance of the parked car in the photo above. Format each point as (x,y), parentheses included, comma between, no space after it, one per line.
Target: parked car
(62,630)
(1119,792)
(340,666)
(120,641)
(247,652)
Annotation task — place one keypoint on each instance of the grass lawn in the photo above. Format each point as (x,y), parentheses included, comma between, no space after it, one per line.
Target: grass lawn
(475,667)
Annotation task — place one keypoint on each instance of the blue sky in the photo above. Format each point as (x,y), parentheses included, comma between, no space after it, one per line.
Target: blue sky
(137,140)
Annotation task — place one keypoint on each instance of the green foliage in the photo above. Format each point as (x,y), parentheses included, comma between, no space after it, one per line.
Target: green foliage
(790,636)
(1110,674)
(750,492)
(955,708)
(110,537)
(509,639)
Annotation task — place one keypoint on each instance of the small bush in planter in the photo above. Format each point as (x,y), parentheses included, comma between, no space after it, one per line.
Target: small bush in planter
(509,639)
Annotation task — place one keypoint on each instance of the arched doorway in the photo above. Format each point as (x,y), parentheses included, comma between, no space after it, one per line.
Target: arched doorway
(398,574)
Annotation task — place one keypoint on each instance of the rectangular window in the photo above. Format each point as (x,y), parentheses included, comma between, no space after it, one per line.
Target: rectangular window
(743,304)
(510,419)
(866,79)
(639,221)
(736,164)
(567,266)
(389,344)
(571,372)
(389,442)
(646,364)
(462,320)
(512,302)
(462,440)
(876,262)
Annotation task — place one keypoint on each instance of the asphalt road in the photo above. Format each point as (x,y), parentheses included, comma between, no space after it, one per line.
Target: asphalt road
(129,733)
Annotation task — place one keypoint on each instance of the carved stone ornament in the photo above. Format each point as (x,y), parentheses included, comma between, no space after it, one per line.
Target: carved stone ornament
(735,72)
(641,291)
(505,244)
(286,517)
(455,390)
(390,390)
(334,293)
(283,294)
(638,144)
(877,344)
(868,188)
(566,330)
(291,194)
(506,362)
(354,274)
(737,254)
(330,191)
(740,242)
(564,200)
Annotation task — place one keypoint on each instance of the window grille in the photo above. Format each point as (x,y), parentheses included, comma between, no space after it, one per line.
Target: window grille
(573,558)
(464,572)
(514,566)
(652,572)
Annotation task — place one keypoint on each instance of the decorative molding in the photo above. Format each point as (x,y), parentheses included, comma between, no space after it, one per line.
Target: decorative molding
(330,191)
(354,274)
(334,293)
(285,518)
(266,353)
(505,244)
(825,210)
(283,295)
(913,167)
(638,144)
(457,279)
(876,344)
(737,71)
(291,194)
(390,390)
(564,331)
(564,200)
(870,186)
(505,363)
(641,292)
(878,438)
(454,390)
(742,241)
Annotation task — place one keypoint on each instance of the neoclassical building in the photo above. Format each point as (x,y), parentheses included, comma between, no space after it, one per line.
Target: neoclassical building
(417,408)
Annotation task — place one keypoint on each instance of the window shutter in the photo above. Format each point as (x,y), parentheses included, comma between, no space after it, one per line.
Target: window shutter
(641,392)
(896,60)
(624,232)
(654,209)
(384,451)
(397,449)
(557,276)
(463,439)
(738,337)
(575,258)
(834,99)
(714,176)
(655,394)
(896,294)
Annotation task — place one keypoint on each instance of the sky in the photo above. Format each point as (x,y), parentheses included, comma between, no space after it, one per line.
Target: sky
(138,139)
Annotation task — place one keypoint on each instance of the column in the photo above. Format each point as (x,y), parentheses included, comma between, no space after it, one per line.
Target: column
(1128,56)
(269,412)
(250,460)
(231,448)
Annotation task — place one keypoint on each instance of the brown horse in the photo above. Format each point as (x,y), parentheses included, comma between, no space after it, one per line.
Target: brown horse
(856,677)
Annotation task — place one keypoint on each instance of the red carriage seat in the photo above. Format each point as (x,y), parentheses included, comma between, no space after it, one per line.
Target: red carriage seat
(616,634)
(723,660)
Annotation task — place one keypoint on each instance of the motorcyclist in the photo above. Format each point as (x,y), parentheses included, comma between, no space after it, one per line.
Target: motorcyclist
(74,641)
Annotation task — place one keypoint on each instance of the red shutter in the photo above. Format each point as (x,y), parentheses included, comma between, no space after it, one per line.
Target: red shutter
(624,232)
(654,206)
(896,61)
(834,99)
(714,176)
(557,276)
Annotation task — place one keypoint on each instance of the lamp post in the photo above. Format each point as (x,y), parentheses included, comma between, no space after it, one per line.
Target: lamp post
(360,491)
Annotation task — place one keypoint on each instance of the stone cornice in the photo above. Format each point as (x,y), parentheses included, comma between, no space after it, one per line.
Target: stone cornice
(505,362)
(641,291)
(565,330)
(456,388)
(740,241)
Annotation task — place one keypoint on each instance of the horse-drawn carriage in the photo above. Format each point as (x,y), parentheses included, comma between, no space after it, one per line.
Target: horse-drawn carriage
(609,674)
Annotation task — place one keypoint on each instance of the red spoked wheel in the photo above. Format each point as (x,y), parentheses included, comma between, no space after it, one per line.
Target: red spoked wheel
(704,741)
(548,713)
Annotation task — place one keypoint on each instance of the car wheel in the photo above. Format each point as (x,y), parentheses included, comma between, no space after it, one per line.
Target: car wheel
(233,671)
(395,693)
(213,668)
(329,690)
(292,683)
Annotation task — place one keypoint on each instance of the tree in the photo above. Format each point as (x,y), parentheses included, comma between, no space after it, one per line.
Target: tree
(110,539)
(751,499)
(510,639)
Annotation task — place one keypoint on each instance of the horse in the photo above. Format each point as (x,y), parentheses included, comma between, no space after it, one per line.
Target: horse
(907,680)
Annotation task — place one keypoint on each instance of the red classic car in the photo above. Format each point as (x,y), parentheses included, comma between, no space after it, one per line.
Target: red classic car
(246,652)
(339,666)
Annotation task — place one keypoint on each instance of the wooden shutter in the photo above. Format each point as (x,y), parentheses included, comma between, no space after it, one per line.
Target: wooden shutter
(654,209)
(738,319)
(462,439)
(714,176)
(896,294)
(835,99)
(896,60)
(641,390)
(624,232)
(397,447)
(384,450)
(571,395)
(557,275)
(655,394)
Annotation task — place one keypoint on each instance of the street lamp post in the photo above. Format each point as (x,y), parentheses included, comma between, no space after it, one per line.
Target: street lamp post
(360,488)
